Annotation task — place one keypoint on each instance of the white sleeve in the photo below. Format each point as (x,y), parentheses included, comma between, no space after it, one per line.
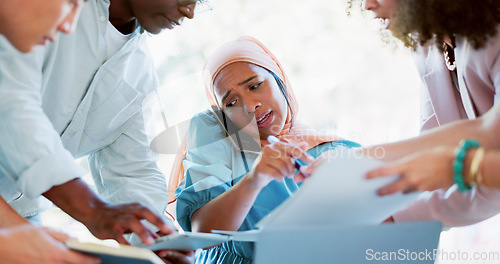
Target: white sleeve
(32,154)
(452,207)
(126,170)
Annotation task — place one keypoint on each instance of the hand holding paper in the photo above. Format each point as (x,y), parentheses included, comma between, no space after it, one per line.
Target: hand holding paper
(426,170)
(337,194)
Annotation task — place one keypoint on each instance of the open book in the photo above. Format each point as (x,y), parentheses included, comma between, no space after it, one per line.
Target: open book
(143,254)
(119,254)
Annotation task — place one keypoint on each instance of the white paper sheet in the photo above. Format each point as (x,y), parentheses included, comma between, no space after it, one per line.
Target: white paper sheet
(337,194)
(187,241)
(248,236)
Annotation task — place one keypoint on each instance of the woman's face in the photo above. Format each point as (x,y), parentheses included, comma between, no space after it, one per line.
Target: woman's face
(26,23)
(382,9)
(249,94)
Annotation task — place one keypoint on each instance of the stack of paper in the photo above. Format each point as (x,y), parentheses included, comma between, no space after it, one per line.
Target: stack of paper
(337,194)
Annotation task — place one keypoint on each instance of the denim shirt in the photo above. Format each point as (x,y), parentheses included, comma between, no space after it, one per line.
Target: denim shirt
(212,166)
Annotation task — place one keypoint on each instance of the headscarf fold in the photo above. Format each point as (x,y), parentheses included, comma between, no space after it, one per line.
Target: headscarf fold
(250,50)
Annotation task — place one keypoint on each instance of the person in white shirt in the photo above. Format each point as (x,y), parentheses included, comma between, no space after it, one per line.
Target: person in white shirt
(26,23)
(83,95)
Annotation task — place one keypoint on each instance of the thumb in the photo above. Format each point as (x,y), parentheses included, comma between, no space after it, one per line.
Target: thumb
(303,146)
(59,236)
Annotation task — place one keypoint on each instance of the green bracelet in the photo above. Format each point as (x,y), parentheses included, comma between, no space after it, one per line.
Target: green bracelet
(458,163)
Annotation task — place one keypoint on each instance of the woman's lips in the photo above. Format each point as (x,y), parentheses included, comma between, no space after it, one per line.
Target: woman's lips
(265,119)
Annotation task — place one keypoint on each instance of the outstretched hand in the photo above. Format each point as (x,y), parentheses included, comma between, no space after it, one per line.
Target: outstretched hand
(113,221)
(104,220)
(425,170)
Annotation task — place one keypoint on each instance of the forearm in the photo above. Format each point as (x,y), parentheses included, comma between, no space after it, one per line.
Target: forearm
(227,211)
(9,217)
(75,198)
(482,129)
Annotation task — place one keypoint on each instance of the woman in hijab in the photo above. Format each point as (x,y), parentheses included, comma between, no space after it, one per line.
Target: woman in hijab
(233,175)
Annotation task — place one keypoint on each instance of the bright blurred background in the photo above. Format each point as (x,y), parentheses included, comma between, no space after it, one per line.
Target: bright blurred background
(347,81)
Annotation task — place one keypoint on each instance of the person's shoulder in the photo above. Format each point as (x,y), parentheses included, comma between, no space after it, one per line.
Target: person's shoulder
(479,59)
(426,58)
(204,118)
(204,128)
(492,46)
(326,146)
(345,143)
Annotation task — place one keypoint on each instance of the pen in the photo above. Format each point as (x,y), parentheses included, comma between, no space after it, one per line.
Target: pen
(273,139)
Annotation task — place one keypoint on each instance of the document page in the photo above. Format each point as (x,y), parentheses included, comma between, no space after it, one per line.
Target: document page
(248,236)
(337,194)
(187,241)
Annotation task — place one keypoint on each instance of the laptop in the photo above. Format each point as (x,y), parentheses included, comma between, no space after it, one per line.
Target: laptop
(409,242)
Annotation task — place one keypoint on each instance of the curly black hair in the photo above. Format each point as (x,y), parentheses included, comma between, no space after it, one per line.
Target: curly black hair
(418,22)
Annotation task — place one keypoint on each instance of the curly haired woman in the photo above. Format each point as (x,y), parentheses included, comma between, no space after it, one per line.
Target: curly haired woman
(456,48)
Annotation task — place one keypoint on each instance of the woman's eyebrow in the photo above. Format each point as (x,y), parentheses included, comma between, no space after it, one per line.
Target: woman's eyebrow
(247,80)
(241,83)
(225,96)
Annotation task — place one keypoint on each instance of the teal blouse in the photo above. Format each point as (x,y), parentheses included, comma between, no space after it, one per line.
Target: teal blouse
(213,165)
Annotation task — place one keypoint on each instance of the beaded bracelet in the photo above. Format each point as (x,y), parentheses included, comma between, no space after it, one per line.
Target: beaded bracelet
(475,167)
(458,163)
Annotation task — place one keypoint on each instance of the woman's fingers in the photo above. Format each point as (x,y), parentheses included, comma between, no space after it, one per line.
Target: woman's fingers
(300,177)
(402,184)
(309,169)
(293,151)
(386,170)
(399,185)
(272,172)
(277,158)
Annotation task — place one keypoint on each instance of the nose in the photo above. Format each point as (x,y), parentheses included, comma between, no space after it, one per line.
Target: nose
(251,105)
(370,5)
(68,23)
(187,10)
